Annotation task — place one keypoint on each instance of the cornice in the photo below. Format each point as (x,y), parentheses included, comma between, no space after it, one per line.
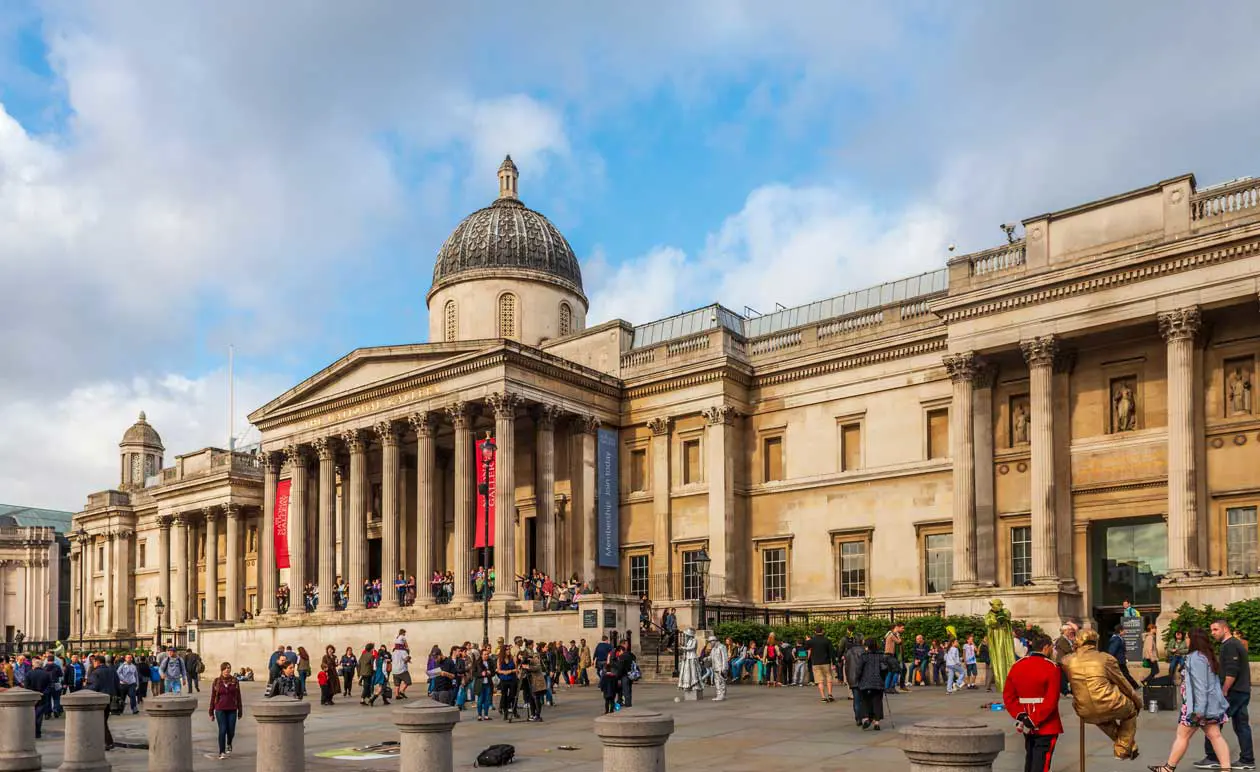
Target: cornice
(1125,268)
(849,362)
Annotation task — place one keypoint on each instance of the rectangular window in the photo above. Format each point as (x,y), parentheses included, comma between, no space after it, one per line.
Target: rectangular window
(638,470)
(850,447)
(691,575)
(938,433)
(853,569)
(1021,555)
(140,555)
(1240,540)
(639,575)
(691,462)
(938,549)
(772,459)
(774,574)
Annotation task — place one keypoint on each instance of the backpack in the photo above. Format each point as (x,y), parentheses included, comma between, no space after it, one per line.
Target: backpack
(496,756)
(635,674)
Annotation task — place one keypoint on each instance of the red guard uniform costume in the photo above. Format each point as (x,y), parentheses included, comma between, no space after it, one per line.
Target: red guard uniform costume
(1032,690)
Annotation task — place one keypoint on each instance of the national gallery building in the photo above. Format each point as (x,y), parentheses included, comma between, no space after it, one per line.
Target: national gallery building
(1066,421)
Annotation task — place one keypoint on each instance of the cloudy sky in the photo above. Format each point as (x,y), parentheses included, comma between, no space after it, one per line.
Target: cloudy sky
(176,177)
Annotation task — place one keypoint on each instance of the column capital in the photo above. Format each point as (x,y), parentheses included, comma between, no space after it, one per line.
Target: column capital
(269,461)
(211,514)
(1181,324)
(503,403)
(232,511)
(962,367)
(720,414)
(124,533)
(110,535)
(388,432)
(461,414)
(355,441)
(1040,351)
(295,455)
(586,424)
(325,448)
(546,415)
(660,425)
(986,375)
(425,424)
(181,519)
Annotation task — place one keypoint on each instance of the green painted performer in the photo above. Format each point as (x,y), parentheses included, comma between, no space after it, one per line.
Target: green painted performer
(1001,641)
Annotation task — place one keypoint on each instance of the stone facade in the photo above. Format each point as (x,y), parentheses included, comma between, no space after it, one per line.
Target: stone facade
(33,574)
(1064,421)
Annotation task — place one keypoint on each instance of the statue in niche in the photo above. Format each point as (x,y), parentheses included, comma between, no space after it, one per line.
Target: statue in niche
(1238,391)
(1020,420)
(1124,407)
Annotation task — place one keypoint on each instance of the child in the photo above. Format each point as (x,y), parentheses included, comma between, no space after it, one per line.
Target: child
(325,686)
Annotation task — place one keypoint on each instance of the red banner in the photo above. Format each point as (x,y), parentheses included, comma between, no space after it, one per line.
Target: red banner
(281,518)
(482,472)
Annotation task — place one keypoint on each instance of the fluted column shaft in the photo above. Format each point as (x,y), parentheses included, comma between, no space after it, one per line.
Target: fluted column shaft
(662,532)
(390,461)
(1179,329)
(962,371)
(426,538)
(299,478)
(178,603)
(545,500)
(233,588)
(267,580)
(212,565)
(465,500)
(327,539)
(357,525)
(584,506)
(107,604)
(122,582)
(504,404)
(1040,354)
(164,567)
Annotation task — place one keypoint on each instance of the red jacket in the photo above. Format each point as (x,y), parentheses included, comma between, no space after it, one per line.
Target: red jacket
(1032,687)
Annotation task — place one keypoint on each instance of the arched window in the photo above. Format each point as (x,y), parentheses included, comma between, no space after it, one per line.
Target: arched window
(566,319)
(452,321)
(507,315)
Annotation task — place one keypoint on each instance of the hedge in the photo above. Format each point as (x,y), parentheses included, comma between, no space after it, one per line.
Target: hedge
(1243,616)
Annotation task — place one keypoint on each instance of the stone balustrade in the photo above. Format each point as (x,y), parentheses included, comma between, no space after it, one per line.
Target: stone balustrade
(996,260)
(1242,196)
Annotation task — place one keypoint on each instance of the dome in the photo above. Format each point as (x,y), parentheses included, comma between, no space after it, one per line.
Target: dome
(507,238)
(141,433)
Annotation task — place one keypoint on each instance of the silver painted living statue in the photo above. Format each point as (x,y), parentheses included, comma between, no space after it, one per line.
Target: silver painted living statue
(689,665)
(719,660)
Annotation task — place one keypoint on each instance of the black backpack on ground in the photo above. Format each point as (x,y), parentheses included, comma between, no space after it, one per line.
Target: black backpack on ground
(496,756)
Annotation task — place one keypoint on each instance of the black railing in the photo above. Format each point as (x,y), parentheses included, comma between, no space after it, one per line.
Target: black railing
(718,614)
(93,643)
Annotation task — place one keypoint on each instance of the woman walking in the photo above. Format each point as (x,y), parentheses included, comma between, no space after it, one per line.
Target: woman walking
(226,707)
(870,685)
(303,671)
(1150,653)
(1203,704)
(507,684)
(329,665)
(349,664)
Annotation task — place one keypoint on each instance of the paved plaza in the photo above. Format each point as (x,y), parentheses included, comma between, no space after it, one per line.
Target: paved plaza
(755,729)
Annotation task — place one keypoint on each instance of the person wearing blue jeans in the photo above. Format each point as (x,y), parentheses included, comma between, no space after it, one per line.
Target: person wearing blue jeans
(892,648)
(1235,674)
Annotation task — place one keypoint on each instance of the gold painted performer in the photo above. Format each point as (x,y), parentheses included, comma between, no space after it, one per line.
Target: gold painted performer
(1101,694)
(1001,641)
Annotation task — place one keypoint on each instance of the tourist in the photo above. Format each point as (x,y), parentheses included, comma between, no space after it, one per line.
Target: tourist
(584,664)
(821,661)
(481,679)
(348,665)
(55,674)
(669,624)
(546,653)
(892,649)
(938,662)
(505,668)
(1116,648)
(922,655)
(870,683)
(602,651)
(324,680)
(435,656)
(39,681)
(400,588)
(329,665)
(155,676)
(1150,653)
(953,668)
(275,664)
(226,707)
(969,662)
(1235,679)
(303,669)
(402,659)
(367,661)
(533,673)
(286,685)
(382,665)
(174,672)
(103,680)
(1177,653)
(770,660)
(1204,706)
(1128,612)
(852,660)
(128,677)
(1031,696)
(609,684)
(982,656)
(627,668)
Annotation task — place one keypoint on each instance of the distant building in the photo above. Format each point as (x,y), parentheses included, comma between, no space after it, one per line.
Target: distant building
(34,573)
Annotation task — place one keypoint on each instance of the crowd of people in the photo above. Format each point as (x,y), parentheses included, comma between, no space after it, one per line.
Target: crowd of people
(536,586)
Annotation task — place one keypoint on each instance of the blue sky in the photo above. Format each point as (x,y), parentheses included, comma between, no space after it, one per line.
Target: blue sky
(178,176)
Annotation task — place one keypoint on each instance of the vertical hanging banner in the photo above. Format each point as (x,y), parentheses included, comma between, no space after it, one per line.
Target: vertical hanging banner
(482,473)
(281,519)
(608,506)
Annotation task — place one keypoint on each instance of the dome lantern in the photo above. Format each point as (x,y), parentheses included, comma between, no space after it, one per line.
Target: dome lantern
(507,178)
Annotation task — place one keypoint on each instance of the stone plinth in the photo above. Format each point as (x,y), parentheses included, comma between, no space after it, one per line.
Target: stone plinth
(634,739)
(281,721)
(85,732)
(426,736)
(17,731)
(951,745)
(170,733)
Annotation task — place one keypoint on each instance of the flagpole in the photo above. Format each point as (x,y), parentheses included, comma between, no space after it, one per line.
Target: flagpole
(231,400)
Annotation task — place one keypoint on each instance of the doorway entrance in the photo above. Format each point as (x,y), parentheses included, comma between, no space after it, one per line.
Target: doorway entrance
(531,544)
(374,565)
(1128,559)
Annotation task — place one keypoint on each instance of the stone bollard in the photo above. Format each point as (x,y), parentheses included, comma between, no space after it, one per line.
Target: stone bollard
(634,739)
(17,731)
(85,732)
(951,745)
(170,733)
(426,736)
(281,723)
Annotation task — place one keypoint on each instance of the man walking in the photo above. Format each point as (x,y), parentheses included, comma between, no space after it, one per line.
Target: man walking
(128,678)
(1235,675)
(1031,696)
(1117,649)
(173,672)
(821,659)
(38,681)
(193,668)
(103,680)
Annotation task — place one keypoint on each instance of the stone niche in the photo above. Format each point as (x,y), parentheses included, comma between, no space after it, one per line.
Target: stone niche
(1238,396)
(1020,421)
(1124,408)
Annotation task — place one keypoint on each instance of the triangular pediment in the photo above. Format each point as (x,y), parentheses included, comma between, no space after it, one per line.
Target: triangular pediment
(365,367)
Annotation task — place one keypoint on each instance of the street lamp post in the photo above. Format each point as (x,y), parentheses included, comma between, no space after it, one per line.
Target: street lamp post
(159,607)
(83,546)
(487,460)
(703,561)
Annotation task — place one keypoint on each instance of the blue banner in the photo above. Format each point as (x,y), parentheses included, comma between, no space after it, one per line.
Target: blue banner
(608,501)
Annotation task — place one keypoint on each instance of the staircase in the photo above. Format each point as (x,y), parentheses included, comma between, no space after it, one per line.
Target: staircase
(656,666)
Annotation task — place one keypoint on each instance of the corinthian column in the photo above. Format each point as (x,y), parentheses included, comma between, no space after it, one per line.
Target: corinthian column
(465,500)
(164,566)
(1040,354)
(107,621)
(962,370)
(662,533)
(425,425)
(584,498)
(504,405)
(212,564)
(327,539)
(299,477)
(267,580)
(178,603)
(721,451)
(356,527)
(545,499)
(389,436)
(232,606)
(1179,329)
